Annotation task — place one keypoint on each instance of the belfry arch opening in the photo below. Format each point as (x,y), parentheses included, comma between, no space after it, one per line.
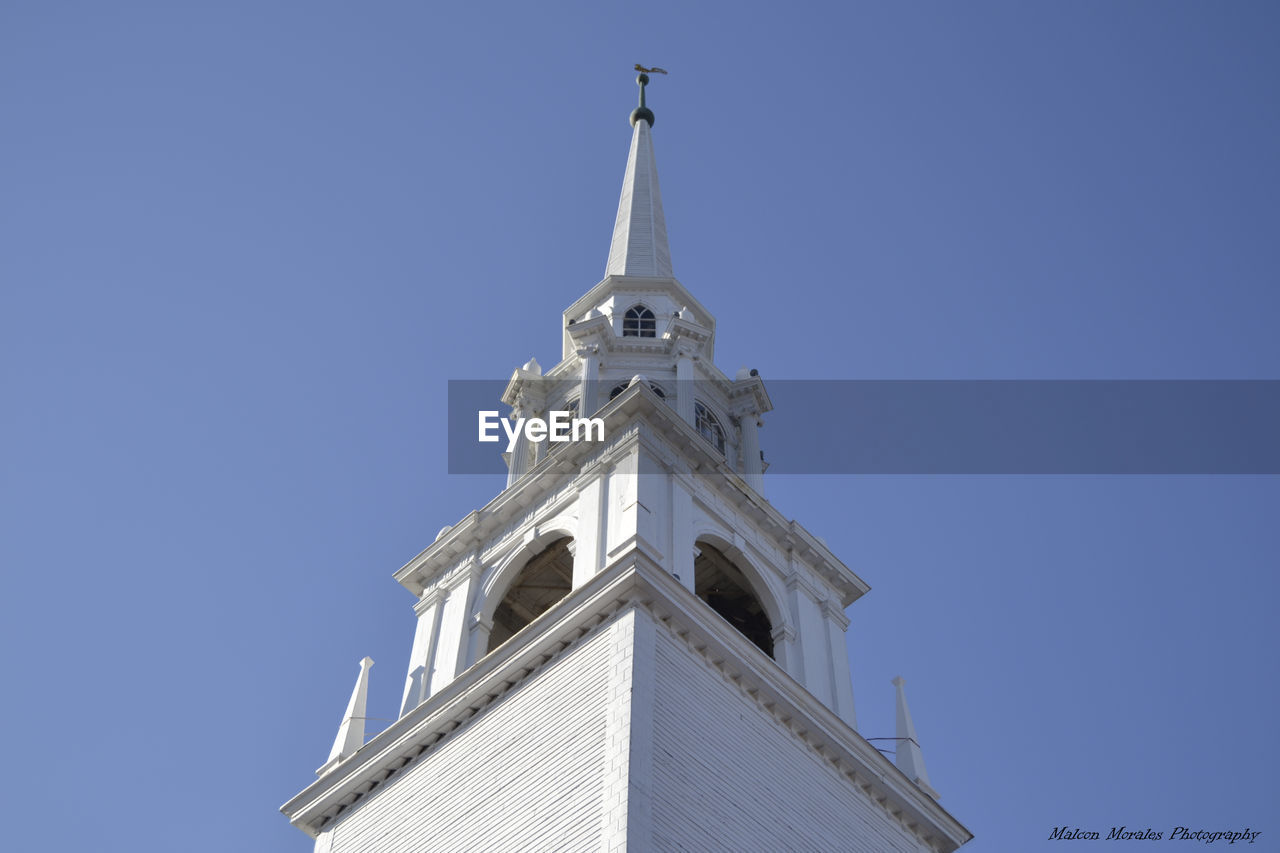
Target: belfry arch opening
(544,580)
(724,587)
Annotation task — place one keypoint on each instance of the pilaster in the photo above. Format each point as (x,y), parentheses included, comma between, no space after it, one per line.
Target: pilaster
(685,384)
(752,464)
(589,540)
(425,636)
(814,664)
(638,504)
(589,380)
(455,640)
(683,550)
(841,676)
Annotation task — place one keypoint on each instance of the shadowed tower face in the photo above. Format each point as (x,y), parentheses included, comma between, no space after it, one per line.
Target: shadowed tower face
(629,647)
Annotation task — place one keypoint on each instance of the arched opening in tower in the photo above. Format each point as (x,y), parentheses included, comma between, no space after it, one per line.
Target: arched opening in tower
(543,581)
(723,586)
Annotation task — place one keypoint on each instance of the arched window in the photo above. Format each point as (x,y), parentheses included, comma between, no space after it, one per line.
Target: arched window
(723,586)
(542,582)
(639,322)
(618,389)
(708,426)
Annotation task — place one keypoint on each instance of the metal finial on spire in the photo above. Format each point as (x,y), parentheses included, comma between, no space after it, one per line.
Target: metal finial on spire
(642,79)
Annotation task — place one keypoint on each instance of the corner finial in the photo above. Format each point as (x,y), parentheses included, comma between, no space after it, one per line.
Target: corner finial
(351,733)
(642,80)
(909,758)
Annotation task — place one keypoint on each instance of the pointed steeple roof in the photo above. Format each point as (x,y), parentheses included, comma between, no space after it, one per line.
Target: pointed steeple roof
(639,245)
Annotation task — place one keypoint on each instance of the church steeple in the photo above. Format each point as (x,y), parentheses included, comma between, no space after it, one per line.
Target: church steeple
(639,246)
(595,645)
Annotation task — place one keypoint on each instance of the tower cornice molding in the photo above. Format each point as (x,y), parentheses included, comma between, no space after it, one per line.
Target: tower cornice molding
(576,317)
(683,330)
(526,392)
(610,284)
(592,332)
(748,396)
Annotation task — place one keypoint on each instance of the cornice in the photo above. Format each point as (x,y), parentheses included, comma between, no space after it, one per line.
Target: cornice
(684,334)
(616,345)
(631,580)
(637,284)
(749,395)
(594,331)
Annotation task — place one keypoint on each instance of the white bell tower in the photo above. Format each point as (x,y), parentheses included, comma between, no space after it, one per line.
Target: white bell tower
(628,648)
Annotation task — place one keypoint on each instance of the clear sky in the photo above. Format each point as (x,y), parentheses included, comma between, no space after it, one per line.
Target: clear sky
(243,246)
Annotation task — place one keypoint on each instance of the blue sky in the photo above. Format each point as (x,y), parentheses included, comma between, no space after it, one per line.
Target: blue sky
(247,244)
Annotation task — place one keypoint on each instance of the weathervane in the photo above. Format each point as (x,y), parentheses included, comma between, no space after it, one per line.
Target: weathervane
(643,112)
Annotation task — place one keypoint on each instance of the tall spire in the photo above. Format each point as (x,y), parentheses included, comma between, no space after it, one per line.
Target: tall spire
(639,245)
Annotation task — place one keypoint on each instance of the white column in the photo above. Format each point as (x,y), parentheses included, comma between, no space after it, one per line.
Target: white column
(589,538)
(752,464)
(540,448)
(519,465)
(841,677)
(683,552)
(653,496)
(453,645)
(587,393)
(815,658)
(425,636)
(477,639)
(796,642)
(786,652)
(685,385)
(623,505)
